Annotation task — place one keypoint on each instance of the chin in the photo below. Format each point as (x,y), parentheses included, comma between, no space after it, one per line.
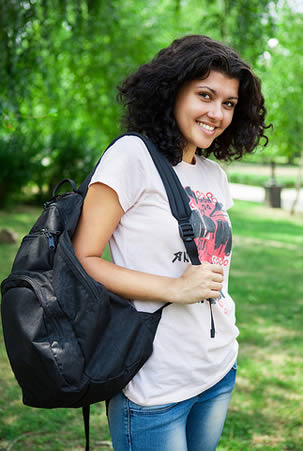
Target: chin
(205,145)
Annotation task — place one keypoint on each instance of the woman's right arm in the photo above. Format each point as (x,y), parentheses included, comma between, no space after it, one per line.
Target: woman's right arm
(100,216)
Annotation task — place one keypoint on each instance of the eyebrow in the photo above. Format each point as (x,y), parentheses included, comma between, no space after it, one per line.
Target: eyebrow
(215,92)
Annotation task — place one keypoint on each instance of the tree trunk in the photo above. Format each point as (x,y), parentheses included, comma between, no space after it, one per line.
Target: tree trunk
(298,185)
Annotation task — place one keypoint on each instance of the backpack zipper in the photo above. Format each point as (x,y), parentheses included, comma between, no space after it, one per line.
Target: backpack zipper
(51,237)
(51,234)
(51,241)
(76,265)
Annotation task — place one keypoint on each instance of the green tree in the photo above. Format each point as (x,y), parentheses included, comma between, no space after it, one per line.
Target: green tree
(61,62)
(282,72)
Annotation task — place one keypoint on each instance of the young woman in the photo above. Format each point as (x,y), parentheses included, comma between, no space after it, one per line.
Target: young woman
(196,98)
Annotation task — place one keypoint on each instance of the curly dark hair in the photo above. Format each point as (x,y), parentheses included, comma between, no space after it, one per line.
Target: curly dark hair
(149,97)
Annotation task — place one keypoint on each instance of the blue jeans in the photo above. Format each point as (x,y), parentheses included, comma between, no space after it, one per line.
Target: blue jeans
(195,424)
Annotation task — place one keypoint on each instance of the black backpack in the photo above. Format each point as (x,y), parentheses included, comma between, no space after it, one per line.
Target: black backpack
(70,341)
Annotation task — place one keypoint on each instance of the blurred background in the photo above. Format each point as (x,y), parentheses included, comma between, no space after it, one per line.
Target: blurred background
(60,63)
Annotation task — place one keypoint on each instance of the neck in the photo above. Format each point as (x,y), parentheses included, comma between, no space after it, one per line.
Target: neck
(189,155)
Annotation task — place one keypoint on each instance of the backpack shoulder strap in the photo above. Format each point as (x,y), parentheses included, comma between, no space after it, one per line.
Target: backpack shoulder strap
(177,197)
(180,208)
(85,414)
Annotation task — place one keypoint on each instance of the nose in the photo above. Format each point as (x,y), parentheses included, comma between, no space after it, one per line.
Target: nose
(215,111)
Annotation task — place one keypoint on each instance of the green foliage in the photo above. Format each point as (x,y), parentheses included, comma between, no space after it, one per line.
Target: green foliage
(281,70)
(60,63)
(67,156)
(16,167)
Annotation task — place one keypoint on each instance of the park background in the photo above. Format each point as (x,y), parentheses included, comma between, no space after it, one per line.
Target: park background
(60,63)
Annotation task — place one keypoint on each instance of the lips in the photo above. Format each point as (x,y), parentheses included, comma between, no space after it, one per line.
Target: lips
(209,129)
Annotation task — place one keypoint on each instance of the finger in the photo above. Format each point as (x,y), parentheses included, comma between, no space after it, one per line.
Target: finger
(217,269)
(213,294)
(218,278)
(216,286)
(214,268)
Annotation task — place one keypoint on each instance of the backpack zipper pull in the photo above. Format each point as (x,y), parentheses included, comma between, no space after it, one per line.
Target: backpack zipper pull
(51,242)
(212,322)
(51,246)
(50,238)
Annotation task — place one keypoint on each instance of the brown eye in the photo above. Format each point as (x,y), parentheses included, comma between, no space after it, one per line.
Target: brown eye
(230,104)
(204,95)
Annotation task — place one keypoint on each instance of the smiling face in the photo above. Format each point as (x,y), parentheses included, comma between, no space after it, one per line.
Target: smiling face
(204,109)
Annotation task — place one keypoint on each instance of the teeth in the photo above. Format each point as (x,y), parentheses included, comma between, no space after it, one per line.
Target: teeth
(207,127)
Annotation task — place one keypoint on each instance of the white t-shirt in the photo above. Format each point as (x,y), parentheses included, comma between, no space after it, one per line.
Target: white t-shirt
(185,359)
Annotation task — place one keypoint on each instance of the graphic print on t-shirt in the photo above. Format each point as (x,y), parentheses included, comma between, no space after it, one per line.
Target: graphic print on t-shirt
(212,229)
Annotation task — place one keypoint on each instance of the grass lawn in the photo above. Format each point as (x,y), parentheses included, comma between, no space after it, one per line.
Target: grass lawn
(259,174)
(266,410)
(266,282)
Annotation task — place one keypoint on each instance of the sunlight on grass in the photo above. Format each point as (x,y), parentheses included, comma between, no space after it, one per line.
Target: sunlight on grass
(267,268)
